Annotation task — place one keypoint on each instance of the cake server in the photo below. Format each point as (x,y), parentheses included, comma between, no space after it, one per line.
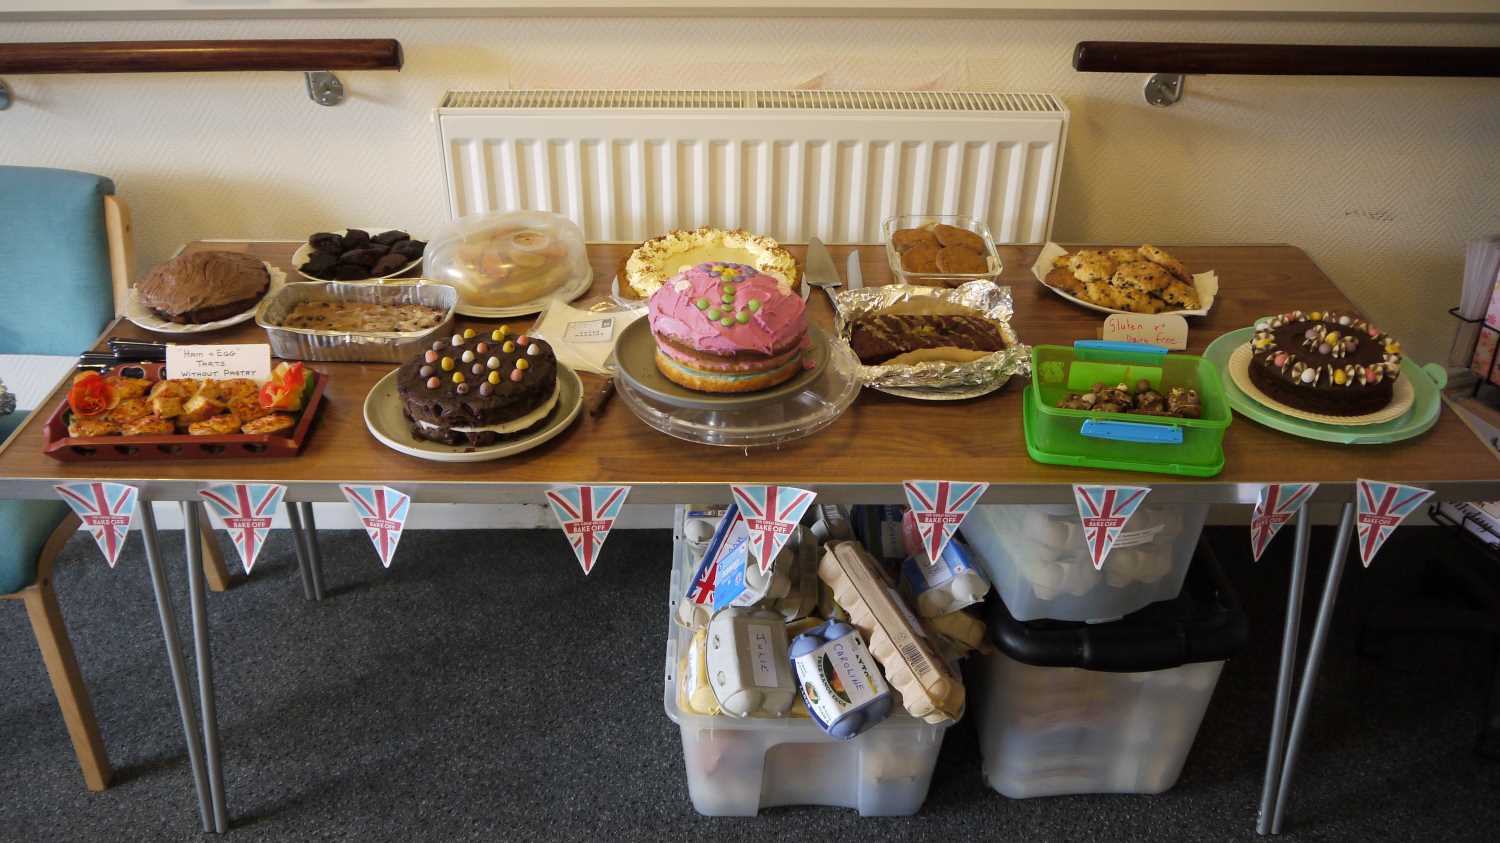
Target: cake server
(820,269)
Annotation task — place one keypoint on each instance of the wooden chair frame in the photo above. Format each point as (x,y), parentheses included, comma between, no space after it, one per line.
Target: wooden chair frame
(62,667)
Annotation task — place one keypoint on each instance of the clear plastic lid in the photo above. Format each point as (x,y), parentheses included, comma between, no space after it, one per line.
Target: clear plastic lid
(510,259)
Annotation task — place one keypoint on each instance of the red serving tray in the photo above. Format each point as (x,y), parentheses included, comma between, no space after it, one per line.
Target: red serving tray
(177,446)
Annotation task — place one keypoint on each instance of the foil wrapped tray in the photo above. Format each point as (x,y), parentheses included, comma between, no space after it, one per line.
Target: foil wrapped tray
(982,297)
(346,346)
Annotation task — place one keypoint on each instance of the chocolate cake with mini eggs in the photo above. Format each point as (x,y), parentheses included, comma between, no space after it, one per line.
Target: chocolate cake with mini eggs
(726,327)
(1336,364)
(479,390)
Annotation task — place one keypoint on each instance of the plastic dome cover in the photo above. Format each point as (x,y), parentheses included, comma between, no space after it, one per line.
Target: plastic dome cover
(507,258)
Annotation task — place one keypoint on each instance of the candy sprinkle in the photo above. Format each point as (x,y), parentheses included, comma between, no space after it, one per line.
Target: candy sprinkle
(753,304)
(713,313)
(701,304)
(727,321)
(742,317)
(433,382)
(493,362)
(533,350)
(468,333)
(458,377)
(508,347)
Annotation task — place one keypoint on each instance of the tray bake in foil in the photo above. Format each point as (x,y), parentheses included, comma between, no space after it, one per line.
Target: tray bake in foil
(982,299)
(347,346)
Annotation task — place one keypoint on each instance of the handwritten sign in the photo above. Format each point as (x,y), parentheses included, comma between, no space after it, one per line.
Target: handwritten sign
(1167,330)
(219,361)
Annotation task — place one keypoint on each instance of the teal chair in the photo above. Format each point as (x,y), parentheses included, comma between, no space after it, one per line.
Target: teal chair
(55,259)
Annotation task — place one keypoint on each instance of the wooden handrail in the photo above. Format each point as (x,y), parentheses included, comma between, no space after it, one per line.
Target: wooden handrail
(198,56)
(1284,59)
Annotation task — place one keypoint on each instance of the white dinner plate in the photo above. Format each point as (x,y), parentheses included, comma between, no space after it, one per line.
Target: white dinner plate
(142,316)
(389,425)
(299,258)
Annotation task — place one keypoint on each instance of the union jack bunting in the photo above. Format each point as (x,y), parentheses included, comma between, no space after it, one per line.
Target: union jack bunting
(245,511)
(587,513)
(1277,504)
(1104,511)
(1379,510)
(382,510)
(939,506)
(106,510)
(771,515)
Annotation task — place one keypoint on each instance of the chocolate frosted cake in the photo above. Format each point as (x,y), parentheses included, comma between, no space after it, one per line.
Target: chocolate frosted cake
(472,390)
(890,338)
(1322,362)
(203,286)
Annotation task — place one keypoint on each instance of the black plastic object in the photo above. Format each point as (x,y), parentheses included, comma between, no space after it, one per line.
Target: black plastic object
(1203,623)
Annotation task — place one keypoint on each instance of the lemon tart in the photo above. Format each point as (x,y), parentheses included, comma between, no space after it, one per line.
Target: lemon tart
(656,261)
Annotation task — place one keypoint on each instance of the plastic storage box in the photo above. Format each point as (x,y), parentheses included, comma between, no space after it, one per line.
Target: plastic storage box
(736,766)
(1037,559)
(1193,447)
(1107,708)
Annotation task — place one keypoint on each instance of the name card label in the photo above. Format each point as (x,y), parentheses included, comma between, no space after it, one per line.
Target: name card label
(1167,330)
(219,361)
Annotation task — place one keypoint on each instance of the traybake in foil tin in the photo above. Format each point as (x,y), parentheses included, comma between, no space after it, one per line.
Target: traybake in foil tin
(349,346)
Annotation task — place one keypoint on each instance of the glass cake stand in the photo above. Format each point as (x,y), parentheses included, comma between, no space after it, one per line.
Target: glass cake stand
(780,418)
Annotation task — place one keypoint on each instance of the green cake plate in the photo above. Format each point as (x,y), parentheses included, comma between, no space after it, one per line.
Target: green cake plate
(1428,382)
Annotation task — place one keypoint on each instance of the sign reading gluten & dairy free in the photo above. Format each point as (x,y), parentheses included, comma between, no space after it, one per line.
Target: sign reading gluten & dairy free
(220,362)
(1167,330)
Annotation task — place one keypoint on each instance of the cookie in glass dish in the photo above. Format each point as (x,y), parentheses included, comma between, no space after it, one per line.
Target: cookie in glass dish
(479,389)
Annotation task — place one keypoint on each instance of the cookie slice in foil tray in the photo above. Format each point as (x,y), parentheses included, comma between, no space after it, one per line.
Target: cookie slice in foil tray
(916,358)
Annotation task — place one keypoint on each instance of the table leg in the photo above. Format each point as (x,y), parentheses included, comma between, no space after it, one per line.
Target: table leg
(174,659)
(192,512)
(1284,676)
(314,556)
(1314,661)
(294,515)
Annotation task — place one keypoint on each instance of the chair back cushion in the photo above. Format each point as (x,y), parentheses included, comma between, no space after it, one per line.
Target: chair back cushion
(55,288)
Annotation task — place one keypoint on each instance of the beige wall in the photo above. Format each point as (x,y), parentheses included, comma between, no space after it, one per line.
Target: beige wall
(1380,180)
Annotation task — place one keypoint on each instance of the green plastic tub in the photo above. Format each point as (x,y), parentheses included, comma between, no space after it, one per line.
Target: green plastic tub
(1192,447)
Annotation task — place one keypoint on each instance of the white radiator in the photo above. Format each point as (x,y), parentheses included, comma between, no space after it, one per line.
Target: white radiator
(629,165)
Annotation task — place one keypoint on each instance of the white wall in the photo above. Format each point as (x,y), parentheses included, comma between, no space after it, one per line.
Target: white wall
(1381,180)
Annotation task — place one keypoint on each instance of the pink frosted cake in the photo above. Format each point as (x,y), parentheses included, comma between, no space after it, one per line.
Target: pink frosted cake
(725,327)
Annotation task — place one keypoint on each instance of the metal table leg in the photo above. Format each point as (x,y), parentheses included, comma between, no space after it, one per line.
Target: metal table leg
(1284,676)
(1314,661)
(192,512)
(174,659)
(314,556)
(294,515)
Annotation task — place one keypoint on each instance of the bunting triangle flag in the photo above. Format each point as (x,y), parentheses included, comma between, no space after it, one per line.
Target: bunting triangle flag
(382,510)
(106,509)
(771,515)
(938,507)
(1104,511)
(1379,510)
(1277,503)
(587,514)
(245,510)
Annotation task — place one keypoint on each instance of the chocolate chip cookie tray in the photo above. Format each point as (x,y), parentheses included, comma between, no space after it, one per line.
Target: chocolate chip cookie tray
(936,278)
(58,445)
(353,346)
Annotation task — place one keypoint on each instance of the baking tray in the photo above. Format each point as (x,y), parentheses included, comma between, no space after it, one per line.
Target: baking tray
(349,347)
(176,446)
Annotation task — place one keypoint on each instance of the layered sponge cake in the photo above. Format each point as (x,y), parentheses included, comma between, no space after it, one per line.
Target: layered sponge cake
(725,327)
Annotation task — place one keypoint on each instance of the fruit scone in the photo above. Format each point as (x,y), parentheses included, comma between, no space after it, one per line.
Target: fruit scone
(1143,280)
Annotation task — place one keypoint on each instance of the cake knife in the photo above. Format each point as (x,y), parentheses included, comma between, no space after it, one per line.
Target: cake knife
(820,270)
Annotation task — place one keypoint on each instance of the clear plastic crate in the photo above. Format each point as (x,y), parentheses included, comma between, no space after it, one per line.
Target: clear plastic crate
(1049,731)
(736,766)
(1039,564)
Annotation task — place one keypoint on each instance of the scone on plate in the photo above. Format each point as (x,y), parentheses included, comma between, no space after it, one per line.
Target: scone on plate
(1142,280)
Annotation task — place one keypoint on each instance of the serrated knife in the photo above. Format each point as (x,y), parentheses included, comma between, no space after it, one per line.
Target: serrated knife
(820,269)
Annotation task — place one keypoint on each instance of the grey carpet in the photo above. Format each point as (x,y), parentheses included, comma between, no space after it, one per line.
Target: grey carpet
(484,689)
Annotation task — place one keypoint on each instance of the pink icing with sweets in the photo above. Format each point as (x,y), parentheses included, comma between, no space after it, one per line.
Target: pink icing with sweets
(724,308)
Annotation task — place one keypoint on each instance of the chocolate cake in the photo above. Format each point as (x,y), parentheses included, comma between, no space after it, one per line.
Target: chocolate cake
(479,390)
(203,286)
(1322,362)
(879,338)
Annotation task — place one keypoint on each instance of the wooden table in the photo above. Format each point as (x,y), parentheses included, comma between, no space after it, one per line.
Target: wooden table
(862,457)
